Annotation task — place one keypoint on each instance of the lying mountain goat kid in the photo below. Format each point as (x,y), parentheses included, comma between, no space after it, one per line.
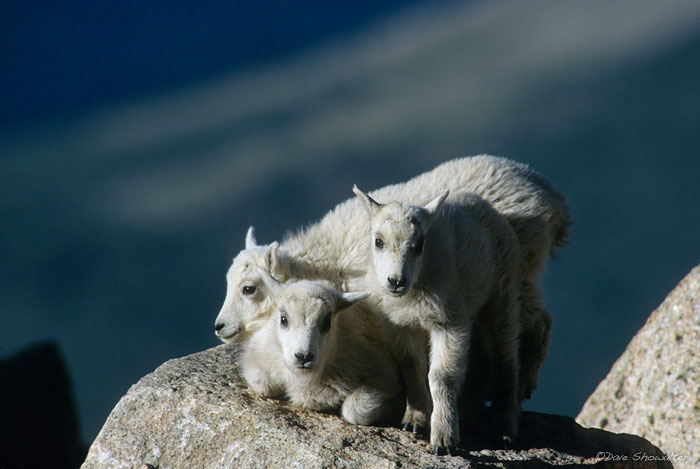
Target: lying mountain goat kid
(451,269)
(333,250)
(320,358)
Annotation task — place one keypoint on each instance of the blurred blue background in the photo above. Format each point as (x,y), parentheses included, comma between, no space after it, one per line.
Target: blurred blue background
(139,140)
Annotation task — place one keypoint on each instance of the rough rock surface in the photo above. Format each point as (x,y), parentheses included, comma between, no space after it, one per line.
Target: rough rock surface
(653,389)
(196,412)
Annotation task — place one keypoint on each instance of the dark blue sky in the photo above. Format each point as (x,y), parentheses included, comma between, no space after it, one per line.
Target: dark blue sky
(71,56)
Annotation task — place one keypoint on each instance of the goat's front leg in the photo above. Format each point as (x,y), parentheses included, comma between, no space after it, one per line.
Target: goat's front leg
(448,365)
(411,350)
(261,381)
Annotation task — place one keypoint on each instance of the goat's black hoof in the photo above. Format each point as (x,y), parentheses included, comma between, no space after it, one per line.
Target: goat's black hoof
(415,428)
(442,450)
(507,442)
(502,442)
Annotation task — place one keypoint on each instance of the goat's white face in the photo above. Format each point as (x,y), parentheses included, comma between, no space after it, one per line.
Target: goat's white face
(304,321)
(398,233)
(304,317)
(247,296)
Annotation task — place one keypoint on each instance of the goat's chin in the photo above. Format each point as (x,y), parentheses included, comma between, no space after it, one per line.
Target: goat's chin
(397,293)
(295,367)
(302,372)
(236,337)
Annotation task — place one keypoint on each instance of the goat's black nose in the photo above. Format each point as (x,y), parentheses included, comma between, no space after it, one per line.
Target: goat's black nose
(304,358)
(397,283)
(218,326)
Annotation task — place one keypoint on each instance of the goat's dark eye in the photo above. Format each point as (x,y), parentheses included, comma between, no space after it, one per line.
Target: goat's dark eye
(379,243)
(284,322)
(418,248)
(326,324)
(248,290)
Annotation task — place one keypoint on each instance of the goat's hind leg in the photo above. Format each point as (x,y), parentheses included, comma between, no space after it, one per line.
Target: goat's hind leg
(362,407)
(473,397)
(535,326)
(499,332)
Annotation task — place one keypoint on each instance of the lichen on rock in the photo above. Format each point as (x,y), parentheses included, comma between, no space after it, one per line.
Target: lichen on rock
(653,389)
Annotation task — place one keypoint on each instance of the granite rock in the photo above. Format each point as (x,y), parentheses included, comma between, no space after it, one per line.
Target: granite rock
(197,412)
(653,389)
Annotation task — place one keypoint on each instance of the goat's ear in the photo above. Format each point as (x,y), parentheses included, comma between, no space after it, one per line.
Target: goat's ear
(345,300)
(371,204)
(272,261)
(250,241)
(270,282)
(432,207)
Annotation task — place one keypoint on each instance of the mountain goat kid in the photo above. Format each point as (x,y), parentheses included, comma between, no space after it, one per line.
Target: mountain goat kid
(320,358)
(451,268)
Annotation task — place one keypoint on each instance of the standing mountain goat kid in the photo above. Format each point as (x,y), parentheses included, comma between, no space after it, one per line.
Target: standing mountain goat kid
(451,269)
(320,358)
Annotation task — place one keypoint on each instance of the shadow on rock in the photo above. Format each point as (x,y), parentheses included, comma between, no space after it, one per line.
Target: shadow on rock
(544,438)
